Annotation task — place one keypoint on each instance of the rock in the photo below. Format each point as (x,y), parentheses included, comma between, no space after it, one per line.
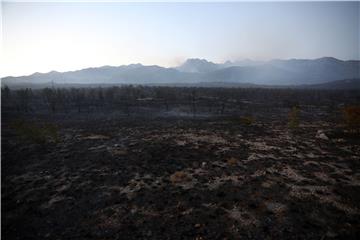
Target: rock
(321,135)
(95,137)
(275,207)
(97,148)
(120,152)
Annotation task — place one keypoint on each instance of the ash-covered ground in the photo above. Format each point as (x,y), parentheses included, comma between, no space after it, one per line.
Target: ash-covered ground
(181,177)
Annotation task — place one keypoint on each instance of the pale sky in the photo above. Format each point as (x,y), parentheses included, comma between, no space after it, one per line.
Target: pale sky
(40,37)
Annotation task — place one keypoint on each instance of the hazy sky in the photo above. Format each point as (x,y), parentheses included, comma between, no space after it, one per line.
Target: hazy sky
(40,37)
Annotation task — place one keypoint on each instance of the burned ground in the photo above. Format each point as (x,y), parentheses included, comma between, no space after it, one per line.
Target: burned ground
(182,177)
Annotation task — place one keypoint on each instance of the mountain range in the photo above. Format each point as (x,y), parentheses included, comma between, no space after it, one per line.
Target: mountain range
(293,72)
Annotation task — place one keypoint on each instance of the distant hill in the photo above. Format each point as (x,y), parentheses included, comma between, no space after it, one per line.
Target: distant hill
(289,72)
(195,65)
(195,71)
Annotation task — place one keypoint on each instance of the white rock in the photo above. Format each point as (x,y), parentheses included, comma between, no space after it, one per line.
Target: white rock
(321,135)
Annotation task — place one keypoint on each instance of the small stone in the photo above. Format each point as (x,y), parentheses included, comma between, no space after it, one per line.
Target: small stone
(97,148)
(95,137)
(321,135)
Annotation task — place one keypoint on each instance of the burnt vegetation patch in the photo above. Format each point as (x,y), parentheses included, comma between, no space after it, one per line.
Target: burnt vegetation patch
(137,162)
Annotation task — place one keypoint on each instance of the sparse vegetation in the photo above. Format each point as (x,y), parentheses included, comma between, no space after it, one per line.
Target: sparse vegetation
(248,120)
(237,102)
(294,117)
(35,133)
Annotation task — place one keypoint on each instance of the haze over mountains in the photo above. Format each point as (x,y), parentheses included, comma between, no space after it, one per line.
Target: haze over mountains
(202,72)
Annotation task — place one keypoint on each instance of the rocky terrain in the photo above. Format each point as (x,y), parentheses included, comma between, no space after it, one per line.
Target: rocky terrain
(182,178)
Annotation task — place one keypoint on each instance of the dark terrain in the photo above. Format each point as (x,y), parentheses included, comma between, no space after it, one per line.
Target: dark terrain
(193,164)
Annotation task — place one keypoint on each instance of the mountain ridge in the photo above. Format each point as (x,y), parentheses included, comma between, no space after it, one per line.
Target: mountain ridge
(272,72)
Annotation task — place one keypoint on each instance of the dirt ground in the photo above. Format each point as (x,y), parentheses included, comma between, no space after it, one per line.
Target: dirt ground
(182,178)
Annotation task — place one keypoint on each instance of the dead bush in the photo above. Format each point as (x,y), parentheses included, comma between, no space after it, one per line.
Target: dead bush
(352,117)
(232,161)
(179,177)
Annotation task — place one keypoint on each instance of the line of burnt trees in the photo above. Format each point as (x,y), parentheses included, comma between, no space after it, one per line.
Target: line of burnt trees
(133,98)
